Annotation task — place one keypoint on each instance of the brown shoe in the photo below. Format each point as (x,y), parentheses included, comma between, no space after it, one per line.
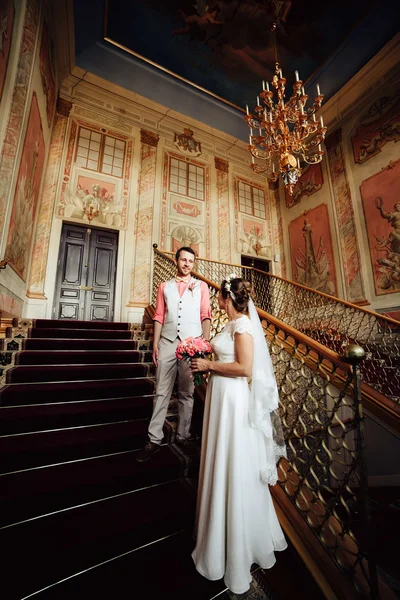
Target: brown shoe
(187,446)
(148,451)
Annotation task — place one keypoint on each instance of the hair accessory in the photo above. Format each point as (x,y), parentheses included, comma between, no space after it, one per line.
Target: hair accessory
(228,281)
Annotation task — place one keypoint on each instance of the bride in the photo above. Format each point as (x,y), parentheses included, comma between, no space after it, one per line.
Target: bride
(236,521)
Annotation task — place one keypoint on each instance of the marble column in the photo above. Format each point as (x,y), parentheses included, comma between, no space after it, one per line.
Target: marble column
(140,275)
(224,230)
(17,106)
(345,215)
(48,200)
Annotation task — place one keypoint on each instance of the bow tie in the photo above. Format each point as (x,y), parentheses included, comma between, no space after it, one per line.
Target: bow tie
(178,279)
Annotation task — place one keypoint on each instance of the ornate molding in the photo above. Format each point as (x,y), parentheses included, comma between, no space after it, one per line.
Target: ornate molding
(381,124)
(149,137)
(102,118)
(64,107)
(36,295)
(334,139)
(186,143)
(273,185)
(221,164)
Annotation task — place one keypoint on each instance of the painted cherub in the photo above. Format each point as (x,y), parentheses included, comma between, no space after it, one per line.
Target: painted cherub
(203,17)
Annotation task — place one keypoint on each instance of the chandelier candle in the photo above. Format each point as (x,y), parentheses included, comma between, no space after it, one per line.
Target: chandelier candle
(288,131)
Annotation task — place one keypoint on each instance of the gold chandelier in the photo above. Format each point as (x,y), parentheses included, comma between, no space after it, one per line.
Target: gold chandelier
(288,132)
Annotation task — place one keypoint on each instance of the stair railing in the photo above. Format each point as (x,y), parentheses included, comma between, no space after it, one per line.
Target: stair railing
(333,322)
(323,489)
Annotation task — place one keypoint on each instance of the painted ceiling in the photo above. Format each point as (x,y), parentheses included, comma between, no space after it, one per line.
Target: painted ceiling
(226,46)
(207,58)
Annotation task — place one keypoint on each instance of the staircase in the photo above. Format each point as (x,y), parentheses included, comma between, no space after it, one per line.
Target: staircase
(80,517)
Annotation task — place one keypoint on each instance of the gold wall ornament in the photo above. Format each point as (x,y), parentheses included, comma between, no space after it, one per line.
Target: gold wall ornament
(186,143)
(286,133)
(149,137)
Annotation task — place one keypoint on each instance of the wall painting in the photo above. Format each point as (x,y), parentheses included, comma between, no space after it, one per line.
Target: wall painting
(380,125)
(47,71)
(380,198)
(311,250)
(310,182)
(7,13)
(26,193)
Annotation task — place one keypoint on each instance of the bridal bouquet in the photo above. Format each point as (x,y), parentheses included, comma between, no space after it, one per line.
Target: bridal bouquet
(194,348)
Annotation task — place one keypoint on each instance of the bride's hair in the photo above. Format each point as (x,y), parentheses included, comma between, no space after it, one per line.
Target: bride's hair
(239,290)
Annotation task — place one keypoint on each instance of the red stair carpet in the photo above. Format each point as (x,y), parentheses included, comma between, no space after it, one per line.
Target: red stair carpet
(80,518)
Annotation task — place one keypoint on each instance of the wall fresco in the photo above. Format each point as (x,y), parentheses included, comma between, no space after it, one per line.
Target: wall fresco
(26,194)
(47,71)
(310,182)
(380,199)
(7,14)
(311,250)
(380,125)
(353,284)
(18,104)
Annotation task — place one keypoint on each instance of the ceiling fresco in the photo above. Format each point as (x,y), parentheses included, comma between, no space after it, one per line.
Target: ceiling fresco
(225,47)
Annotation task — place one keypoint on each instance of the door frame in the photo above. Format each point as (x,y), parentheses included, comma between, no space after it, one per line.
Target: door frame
(52,266)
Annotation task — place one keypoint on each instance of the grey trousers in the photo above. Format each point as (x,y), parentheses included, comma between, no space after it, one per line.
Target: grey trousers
(168,366)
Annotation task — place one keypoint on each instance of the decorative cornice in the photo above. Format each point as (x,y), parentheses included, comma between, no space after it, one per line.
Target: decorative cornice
(64,107)
(149,137)
(273,185)
(334,139)
(36,295)
(221,164)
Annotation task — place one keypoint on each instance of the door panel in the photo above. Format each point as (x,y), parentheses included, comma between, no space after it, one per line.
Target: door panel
(101,275)
(86,274)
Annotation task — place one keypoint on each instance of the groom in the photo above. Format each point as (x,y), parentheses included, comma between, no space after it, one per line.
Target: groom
(182,311)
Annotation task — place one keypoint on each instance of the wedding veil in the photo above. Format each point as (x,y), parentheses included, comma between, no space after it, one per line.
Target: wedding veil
(264,403)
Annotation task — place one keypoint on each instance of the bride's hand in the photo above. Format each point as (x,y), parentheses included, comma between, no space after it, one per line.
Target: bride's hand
(200,364)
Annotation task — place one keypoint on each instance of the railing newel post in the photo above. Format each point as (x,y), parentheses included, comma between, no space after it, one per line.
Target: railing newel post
(355,354)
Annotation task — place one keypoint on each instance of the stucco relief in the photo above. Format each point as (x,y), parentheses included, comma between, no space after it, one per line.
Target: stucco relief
(186,208)
(186,143)
(381,124)
(94,197)
(311,181)
(381,205)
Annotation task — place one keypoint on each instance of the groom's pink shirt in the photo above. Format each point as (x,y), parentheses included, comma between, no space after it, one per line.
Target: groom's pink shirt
(205,311)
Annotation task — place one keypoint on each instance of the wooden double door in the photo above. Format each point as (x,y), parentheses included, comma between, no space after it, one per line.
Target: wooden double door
(85,283)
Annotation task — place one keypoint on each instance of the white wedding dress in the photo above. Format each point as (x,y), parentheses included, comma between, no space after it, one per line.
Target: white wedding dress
(236,521)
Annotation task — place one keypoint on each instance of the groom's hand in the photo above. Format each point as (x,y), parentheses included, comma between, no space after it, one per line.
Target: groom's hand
(155,356)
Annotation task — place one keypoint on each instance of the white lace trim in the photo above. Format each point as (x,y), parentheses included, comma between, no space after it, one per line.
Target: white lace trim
(242,325)
(269,474)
